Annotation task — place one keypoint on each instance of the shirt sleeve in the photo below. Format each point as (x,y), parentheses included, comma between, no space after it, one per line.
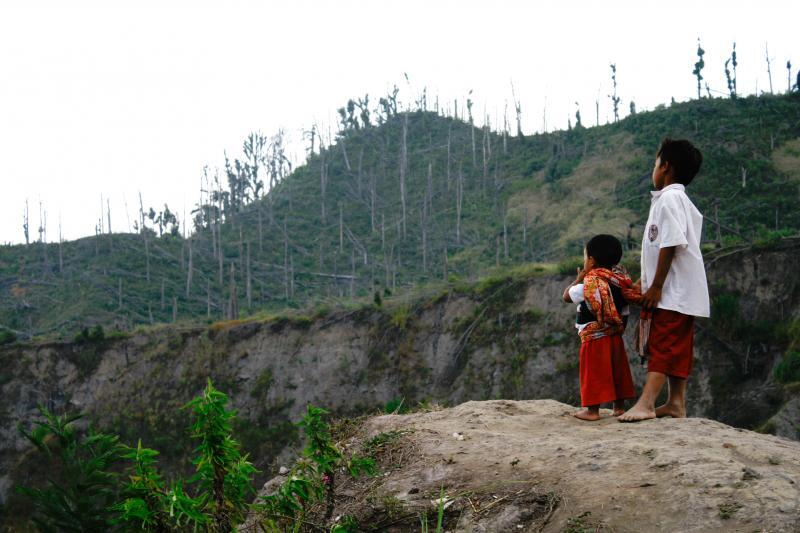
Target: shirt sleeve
(576,293)
(672,223)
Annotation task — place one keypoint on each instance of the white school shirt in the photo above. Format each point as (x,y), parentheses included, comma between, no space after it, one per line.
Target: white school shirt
(675,221)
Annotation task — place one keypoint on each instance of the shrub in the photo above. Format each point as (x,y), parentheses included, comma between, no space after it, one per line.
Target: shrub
(788,370)
(7,337)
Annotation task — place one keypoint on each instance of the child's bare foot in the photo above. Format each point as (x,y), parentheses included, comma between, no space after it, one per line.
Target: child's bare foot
(670,410)
(587,414)
(619,408)
(617,412)
(637,413)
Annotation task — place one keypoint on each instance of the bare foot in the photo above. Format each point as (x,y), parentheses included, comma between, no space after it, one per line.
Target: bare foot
(670,410)
(617,412)
(636,414)
(586,414)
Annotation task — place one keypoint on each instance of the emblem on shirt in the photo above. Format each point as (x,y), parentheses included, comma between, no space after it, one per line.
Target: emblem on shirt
(652,232)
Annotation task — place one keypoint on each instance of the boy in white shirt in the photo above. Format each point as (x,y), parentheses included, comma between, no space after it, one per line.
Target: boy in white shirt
(673,281)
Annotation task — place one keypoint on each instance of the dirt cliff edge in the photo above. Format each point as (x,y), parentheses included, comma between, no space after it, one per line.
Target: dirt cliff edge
(530,466)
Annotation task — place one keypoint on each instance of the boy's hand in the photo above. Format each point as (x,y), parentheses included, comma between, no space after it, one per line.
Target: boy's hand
(580,275)
(651,298)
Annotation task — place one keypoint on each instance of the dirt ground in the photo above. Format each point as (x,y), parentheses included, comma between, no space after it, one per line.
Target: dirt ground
(530,466)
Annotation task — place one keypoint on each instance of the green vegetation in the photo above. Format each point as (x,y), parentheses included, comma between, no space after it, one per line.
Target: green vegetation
(7,337)
(788,370)
(533,198)
(96,483)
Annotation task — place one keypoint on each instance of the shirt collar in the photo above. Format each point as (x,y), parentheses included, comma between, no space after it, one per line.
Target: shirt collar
(676,186)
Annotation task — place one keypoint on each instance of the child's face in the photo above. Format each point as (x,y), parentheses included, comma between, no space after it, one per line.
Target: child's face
(659,174)
(588,262)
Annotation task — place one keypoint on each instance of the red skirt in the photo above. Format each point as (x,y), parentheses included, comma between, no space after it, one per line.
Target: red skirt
(671,344)
(605,372)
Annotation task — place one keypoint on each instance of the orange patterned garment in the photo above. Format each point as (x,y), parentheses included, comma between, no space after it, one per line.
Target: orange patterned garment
(597,293)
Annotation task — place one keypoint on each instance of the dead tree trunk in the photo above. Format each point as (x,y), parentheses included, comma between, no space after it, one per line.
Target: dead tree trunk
(352,272)
(505,236)
(174,309)
(459,199)
(525,237)
(372,201)
(403,170)
(119,294)
(190,270)
(323,182)
(285,263)
(219,256)
(447,179)
(233,301)
(769,70)
(249,287)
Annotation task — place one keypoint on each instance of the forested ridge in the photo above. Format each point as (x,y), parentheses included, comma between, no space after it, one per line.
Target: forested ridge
(401,197)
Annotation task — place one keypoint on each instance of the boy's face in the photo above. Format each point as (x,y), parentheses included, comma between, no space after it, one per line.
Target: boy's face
(659,174)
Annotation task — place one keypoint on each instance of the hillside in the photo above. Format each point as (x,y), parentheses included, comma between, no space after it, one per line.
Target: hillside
(414,198)
(529,466)
(506,336)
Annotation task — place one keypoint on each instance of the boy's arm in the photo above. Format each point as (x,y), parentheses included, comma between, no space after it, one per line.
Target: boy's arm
(578,279)
(651,298)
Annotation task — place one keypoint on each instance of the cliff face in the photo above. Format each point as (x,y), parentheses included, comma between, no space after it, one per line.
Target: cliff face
(503,338)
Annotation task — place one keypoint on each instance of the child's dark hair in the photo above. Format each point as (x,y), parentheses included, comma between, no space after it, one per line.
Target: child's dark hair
(606,250)
(683,157)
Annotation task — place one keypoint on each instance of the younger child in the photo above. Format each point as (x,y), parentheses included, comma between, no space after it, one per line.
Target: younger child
(602,295)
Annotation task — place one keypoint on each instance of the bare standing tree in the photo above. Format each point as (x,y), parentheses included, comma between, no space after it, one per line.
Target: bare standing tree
(26,223)
(404,169)
(769,70)
(517,110)
(459,199)
(190,270)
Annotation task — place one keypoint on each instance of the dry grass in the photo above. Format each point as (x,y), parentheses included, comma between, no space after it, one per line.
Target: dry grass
(590,205)
(787,159)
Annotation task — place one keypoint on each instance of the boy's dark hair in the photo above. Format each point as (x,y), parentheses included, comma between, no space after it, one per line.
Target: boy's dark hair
(606,250)
(683,157)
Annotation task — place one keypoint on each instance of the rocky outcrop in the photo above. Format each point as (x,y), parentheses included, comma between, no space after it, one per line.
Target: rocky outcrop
(531,466)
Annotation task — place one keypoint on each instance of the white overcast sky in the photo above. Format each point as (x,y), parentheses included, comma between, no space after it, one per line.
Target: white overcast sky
(114,98)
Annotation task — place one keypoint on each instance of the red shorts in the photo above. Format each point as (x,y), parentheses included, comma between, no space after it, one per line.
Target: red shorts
(605,372)
(671,344)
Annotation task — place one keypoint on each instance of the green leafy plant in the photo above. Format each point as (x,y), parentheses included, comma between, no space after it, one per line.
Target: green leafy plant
(313,479)
(81,484)
(88,495)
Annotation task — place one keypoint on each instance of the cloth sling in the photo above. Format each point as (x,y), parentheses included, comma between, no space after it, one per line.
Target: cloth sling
(597,294)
